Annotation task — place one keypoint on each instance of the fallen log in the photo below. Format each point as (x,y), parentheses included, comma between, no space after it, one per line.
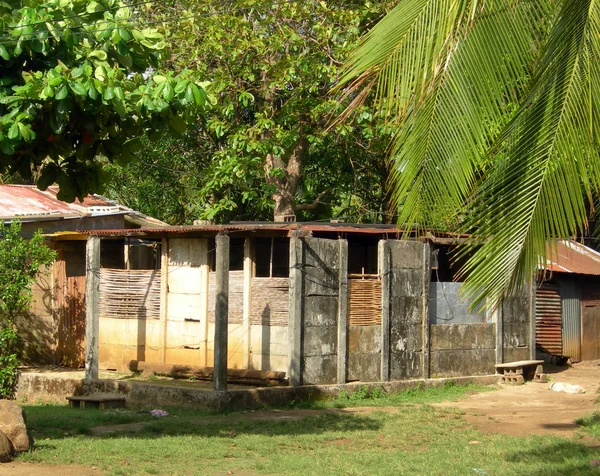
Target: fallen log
(244,376)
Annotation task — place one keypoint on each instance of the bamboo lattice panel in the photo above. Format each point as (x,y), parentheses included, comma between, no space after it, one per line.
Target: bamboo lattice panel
(236,297)
(129,294)
(364,300)
(270,301)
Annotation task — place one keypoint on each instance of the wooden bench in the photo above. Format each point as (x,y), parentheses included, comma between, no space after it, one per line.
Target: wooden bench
(518,372)
(97,401)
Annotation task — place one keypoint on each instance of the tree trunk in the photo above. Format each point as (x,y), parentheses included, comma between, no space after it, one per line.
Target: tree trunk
(286,185)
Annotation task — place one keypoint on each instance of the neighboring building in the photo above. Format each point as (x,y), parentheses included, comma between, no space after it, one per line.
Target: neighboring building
(568,304)
(55,330)
(38,209)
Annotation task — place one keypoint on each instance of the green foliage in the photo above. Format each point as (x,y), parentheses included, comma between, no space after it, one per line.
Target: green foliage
(266,140)
(9,362)
(495,107)
(77,81)
(20,262)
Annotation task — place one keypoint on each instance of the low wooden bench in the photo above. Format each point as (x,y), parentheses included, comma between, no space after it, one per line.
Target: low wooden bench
(97,401)
(518,372)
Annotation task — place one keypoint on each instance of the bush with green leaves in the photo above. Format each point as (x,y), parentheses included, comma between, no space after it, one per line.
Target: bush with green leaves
(20,262)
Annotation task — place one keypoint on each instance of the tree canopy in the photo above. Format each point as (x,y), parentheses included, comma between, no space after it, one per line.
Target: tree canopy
(266,144)
(495,105)
(79,80)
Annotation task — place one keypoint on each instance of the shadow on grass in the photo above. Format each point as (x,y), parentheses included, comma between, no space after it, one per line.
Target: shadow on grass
(64,422)
(558,458)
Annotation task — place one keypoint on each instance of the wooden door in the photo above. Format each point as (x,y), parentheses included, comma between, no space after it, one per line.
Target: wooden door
(69,304)
(590,328)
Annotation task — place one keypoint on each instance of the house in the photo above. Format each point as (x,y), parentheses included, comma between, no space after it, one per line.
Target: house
(55,329)
(567,306)
(325,303)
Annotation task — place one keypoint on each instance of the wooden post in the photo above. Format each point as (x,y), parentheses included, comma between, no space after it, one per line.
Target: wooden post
(384,273)
(221,312)
(164,296)
(92,320)
(295,312)
(342,343)
(126,255)
(246,318)
(425,309)
(204,286)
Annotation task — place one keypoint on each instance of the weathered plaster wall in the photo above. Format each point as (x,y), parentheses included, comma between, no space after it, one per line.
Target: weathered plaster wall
(364,353)
(269,348)
(409,284)
(320,272)
(517,316)
(462,349)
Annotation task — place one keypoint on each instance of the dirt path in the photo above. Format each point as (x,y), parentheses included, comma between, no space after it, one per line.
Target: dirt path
(34,469)
(534,409)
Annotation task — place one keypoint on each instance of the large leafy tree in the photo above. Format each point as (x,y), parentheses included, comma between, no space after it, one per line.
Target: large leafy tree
(265,145)
(496,108)
(78,81)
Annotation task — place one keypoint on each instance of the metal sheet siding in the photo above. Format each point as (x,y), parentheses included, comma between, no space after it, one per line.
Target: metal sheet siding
(548,319)
(571,318)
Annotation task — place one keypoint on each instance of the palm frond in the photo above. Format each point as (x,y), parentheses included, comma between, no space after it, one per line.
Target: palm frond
(545,163)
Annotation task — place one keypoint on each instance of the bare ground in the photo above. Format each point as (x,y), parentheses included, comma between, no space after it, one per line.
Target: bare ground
(534,409)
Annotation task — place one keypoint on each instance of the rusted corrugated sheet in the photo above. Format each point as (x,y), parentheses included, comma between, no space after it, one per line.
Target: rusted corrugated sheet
(548,320)
(571,318)
(21,201)
(572,257)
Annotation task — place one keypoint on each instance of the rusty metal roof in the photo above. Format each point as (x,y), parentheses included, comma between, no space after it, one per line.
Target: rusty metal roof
(305,228)
(572,257)
(28,203)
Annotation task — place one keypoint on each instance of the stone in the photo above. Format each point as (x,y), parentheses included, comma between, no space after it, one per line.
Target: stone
(12,424)
(6,449)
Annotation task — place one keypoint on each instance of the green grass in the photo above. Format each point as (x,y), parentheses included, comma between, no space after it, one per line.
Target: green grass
(414,439)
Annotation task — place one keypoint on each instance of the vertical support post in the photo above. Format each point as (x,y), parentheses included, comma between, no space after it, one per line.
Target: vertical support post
(384,273)
(246,317)
(342,342)
(221,312)
(126,256)
(532,348)
(295,312)
(92,318)
(204,285)
(425,309)
(164,296)
(499,334)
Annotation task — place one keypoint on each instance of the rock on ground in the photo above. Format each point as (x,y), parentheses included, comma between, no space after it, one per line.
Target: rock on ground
(12,424)
(6,449)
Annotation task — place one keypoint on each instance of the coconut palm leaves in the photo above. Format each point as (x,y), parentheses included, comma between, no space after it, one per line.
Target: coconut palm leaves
(496,108)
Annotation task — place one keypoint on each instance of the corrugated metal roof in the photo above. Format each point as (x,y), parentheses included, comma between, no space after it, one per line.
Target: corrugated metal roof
(254,227)
(28,203)
(573,257)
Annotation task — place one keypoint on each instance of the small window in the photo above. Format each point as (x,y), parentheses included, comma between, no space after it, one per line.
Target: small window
(236,254)
(272,256)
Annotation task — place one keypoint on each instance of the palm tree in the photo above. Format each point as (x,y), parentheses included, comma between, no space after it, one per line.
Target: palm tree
(495,108)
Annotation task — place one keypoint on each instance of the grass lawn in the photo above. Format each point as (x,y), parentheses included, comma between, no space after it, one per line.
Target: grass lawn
(411,438)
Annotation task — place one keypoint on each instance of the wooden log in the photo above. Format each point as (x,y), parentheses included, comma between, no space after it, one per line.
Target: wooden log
(206,373)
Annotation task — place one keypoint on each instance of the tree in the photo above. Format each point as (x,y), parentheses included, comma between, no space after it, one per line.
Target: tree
(78,81)
(495,107)
(20,262)
(265,144)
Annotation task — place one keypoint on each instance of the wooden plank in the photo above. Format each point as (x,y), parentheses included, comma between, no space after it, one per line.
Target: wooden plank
(519,363)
